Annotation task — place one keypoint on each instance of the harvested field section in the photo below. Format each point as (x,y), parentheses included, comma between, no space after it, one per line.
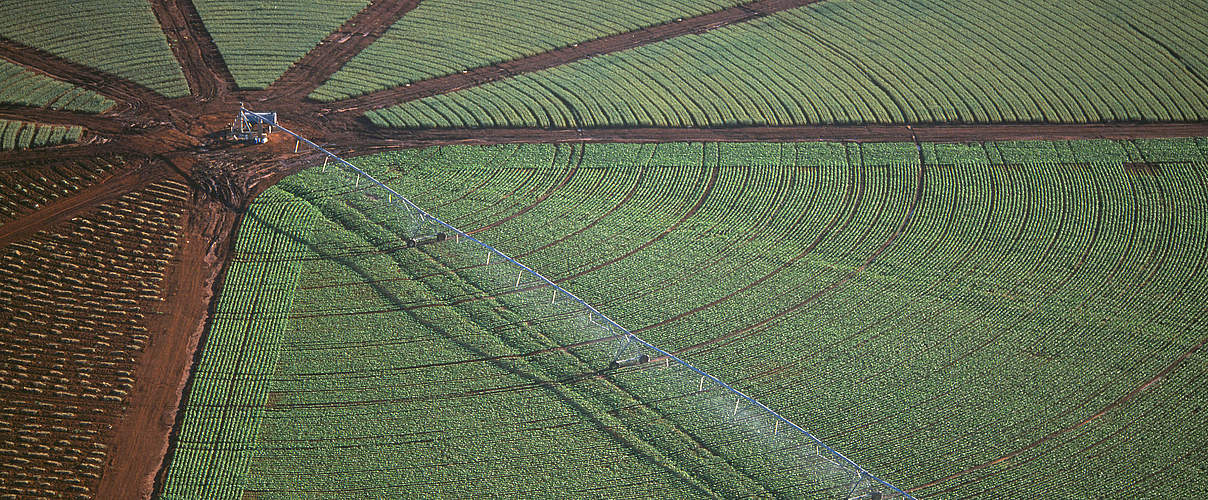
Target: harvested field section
(813,65)
(26,88)
(29,189)
(120,37)
(441,37)
(243,35)
(74,305)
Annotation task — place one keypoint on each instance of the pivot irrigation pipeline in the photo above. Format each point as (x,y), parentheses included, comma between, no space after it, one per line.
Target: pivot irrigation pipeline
(862,484)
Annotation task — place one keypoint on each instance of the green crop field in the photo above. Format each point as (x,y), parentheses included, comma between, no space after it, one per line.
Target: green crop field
(861,61)
(986,316)
(259,44)
(441,37)
(118,36)
(23,135)
(26,88)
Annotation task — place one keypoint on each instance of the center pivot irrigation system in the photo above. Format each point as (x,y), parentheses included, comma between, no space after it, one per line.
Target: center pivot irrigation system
(841,477)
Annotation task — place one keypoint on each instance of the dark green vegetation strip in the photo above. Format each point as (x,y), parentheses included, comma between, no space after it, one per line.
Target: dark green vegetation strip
(23,135)
(859,61)
(441,37)
(121,37)
(231,385)
(995,323)
(20,86)
(259,42)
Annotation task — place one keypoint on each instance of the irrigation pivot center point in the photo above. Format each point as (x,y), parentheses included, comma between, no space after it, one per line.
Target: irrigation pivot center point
(252,127)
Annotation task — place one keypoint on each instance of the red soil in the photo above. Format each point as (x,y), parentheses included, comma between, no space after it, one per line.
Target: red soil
(337,48)
(557,57)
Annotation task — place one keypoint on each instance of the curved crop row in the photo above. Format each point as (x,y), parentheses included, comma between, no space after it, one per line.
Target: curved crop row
(121,37)
(261,43)
(442,37)
(1060,271)
(20,86)
(812,65)
(1024,316)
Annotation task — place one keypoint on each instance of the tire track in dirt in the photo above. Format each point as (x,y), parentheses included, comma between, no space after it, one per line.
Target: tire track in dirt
(363,134)
(100,124)
(557,57)
(337,49)
(194,48)
(25,158)
(137,97)
(120,182)
(142,437)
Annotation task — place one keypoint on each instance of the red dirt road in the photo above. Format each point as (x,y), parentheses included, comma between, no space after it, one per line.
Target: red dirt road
(192,45)
(557,57)
(141,438)
(179,139)
(337,48)
(834,133)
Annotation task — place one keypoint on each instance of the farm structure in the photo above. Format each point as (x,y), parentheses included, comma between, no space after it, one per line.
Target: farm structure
(253,127)
(899,266)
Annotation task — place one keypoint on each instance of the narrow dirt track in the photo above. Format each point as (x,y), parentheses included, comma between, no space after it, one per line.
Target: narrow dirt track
(121,182)
(336,49)
(557,57)
(192,45)
(34,158)
(193,279)
(119,89)
(367,135)
(180,139)
(101,124)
